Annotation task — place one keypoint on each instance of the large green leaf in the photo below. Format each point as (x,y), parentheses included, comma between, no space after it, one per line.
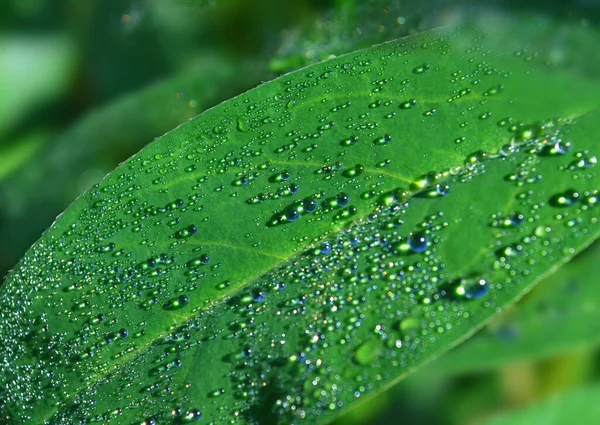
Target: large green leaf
(308,243)
(578,407)
(561,315)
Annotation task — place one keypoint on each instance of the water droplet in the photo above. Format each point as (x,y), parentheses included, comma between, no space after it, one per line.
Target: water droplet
(421,69)
(559,147)
(309,205)
(418,242)
(384,140)
(291,213)
(591,199)
(349,141)
(192,415)
(565,199)
(342,199)
(583,161)
(513,219)
(192,229)
(471,288)
(409,104)
(355,171)
(177,303)
(494,90)
(409,326)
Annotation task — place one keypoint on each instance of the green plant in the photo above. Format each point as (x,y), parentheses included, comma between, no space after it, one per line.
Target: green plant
(305,245)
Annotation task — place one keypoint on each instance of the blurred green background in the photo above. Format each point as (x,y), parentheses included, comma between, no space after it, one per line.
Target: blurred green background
(84,84)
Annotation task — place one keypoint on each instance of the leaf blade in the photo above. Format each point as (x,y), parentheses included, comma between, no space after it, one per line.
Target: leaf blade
(577,404)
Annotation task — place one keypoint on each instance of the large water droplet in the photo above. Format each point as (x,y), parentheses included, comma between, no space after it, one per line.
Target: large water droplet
(471,288)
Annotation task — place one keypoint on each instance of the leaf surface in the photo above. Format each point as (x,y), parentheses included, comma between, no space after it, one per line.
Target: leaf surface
(308,243)
(561,315)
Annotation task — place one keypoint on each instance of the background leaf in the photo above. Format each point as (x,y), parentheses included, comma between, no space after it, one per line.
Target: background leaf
(578,407)
(158,290)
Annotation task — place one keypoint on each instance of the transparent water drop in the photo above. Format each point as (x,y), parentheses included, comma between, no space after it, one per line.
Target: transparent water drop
(566,199)
(383,140)
(421,69)
(349,141)
(409,104)
(471,288)
(418,242)
(177,303)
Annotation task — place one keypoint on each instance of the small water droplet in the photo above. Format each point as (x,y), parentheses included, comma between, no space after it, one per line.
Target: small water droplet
(409,104)
(177,303)
(421,69)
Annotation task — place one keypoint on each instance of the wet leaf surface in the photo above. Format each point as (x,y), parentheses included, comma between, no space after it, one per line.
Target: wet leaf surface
(560,316)
(304,245)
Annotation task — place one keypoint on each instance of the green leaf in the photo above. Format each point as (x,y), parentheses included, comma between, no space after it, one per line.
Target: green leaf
(304,245)
(578,407)
(561,315)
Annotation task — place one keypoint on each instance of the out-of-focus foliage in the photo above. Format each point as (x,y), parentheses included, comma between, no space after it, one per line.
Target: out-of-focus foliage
(22,85)
(579,407)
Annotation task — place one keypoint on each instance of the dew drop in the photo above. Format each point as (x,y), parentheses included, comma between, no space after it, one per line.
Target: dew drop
(421,69)
(409,104)
(471,288)
(349,141)
(177,303)
(565,199)
(418,242)
(383,140)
